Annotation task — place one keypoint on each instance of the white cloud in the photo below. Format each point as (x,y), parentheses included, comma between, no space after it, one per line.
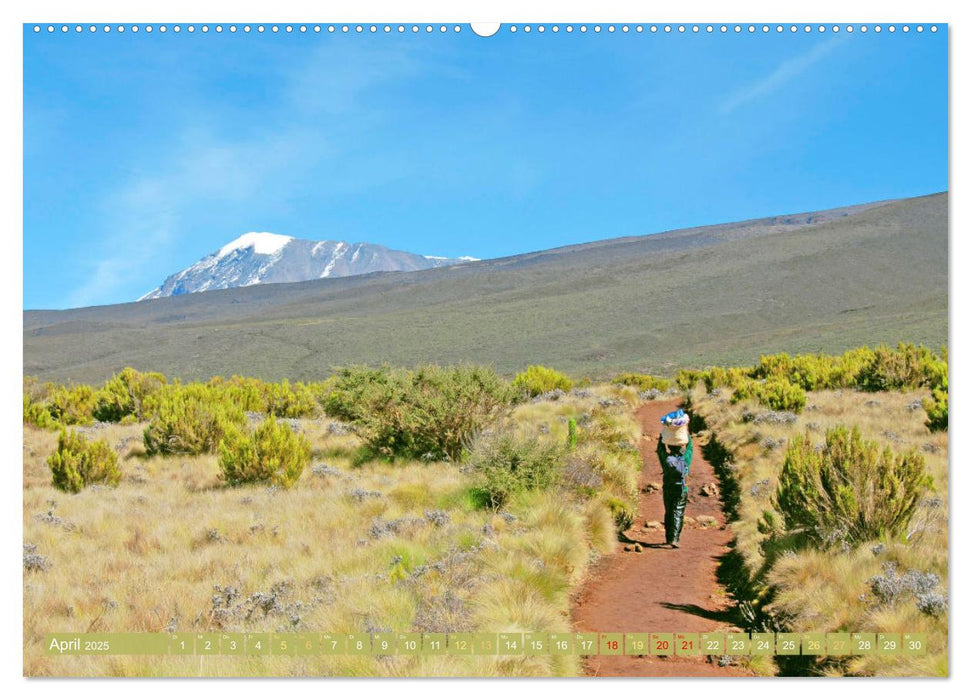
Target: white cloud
(781,76)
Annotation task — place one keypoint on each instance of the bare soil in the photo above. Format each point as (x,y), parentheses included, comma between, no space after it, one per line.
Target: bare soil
(660,589)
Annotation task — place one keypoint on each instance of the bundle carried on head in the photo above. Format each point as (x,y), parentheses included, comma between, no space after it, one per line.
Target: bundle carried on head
(675,430)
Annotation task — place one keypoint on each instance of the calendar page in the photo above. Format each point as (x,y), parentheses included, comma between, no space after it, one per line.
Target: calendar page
(524,349)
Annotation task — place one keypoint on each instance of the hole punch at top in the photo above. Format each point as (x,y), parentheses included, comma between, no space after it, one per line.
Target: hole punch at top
(485,28)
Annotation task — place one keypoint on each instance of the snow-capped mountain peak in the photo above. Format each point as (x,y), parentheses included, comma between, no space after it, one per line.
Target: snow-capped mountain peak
(262,257)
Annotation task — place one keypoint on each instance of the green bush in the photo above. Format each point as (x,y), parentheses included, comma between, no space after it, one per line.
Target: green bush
(935,368)
(813,372)
(850,490)
(37,415)
(428,413)
(936,408)
(122,396)
(507,465)
(189,419)
(77,463)
(283,400)
(286,400)
(244,392)
(687,379)
(72,405)
(713,377)
(538,380)
(353,389)
(643,382)
(777,394)
(571,434)
(732,377)
(906,368)
(273,453)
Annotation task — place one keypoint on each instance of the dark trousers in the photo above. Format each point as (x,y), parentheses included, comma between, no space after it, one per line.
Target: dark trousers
(675,501)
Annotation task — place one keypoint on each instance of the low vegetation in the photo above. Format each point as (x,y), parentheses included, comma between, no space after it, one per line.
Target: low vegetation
(132,396)
(508,464)
(272,453)
(189,420)
(781,381)
(301,524)
(538,380)
(839,513)
(642,382)
(850,490)
(77,463)
(451,499)
(428,413)
(122,397)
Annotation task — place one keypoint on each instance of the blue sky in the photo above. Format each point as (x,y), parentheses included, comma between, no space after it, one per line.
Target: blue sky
(145,152)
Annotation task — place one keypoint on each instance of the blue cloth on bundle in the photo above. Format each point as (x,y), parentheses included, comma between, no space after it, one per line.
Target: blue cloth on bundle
(678,417)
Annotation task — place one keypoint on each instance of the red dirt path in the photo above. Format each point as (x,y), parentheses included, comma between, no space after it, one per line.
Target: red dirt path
(660,589)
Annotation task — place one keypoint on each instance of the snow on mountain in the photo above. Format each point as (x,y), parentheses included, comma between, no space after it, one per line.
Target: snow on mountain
(261,257)
(262,243)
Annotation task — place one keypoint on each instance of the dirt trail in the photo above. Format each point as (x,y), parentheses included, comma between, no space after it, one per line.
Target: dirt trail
(661,589)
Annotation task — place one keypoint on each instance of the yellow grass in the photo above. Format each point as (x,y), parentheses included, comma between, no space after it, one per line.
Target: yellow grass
(828,591)
(147,556)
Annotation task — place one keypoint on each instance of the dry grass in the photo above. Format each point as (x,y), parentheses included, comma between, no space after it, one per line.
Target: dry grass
(372,547)
(827,591)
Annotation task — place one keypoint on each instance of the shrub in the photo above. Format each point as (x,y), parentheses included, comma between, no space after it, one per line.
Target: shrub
(189,419)
(244,392)
(122,396)
(286,400)
(905,367)
(354,388)
(283,400)
(37,415)
(507,465)
(687,379)
(272,453)
(72,405)
(908,367)
(936,407)
(429,413)
(77,463)
(733,377)
(643,382)
(777,394)
(849,490)
(713,377)
(571,434)
(811,372)
(538,380)
(934,368)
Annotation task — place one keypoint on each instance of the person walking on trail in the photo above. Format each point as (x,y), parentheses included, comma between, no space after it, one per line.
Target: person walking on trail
(675,449)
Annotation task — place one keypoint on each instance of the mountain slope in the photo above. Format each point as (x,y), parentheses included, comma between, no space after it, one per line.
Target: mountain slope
(258,258)
(823,281)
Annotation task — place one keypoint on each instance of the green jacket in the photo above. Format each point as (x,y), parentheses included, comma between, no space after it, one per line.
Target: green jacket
(671,475)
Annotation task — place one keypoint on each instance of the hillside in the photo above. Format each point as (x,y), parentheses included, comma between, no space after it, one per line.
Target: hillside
(822,281)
